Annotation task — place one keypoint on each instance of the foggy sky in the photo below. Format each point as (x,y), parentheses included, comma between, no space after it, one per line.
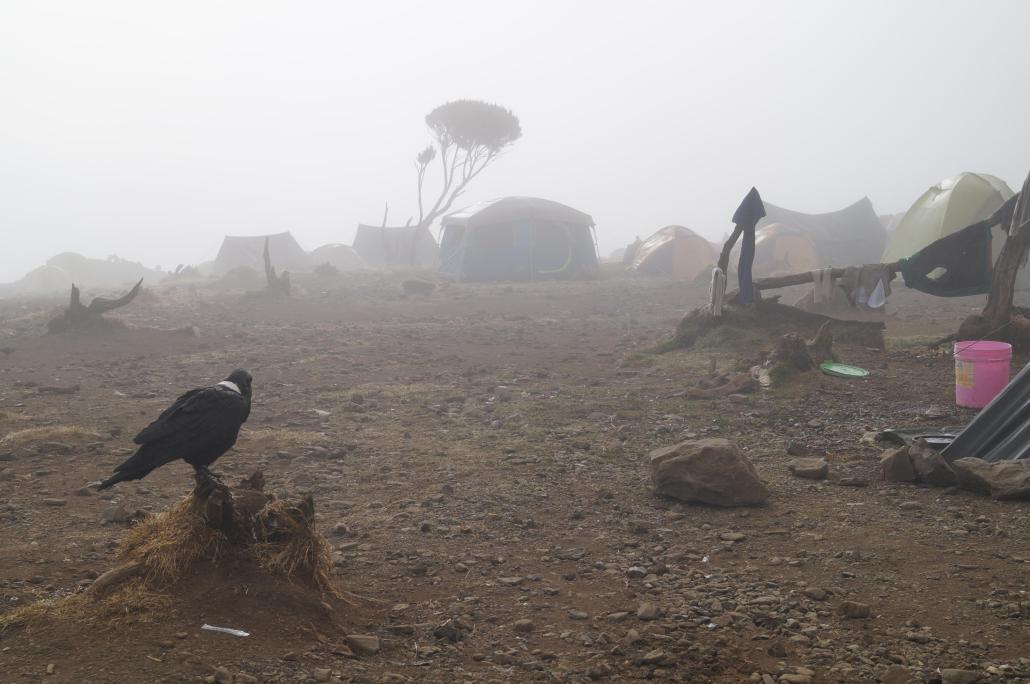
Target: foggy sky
(150,130)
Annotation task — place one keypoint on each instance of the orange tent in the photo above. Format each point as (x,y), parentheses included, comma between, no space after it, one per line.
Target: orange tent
(674,251)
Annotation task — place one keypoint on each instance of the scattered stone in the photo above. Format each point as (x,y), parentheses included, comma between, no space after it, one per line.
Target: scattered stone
(363,644)
(896,466)
(897,674)
(321,674)
(523,626)
(510,581)
(733,536)
(711,471)
(815,593)
(655,657)
(910,506)
(1007,480)
(796,679)
(115,515)
(952,676)
(809,468)
(55,502)
(636,572)
(6,475)
(795,448)
(578,615)
(855,610)
(648,611)
(930,466)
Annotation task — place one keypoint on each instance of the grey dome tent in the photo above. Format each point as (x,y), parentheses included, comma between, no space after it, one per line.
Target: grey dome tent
(396,246)
(852,235)
(248,251)
(517,238)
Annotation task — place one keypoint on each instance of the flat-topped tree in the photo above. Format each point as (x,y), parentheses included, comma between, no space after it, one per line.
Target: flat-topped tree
(469,135)
(78,315)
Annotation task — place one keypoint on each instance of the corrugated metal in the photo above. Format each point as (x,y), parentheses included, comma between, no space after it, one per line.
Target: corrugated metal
(1001,431)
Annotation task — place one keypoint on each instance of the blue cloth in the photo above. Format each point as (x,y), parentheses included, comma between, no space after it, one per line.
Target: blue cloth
(746,217)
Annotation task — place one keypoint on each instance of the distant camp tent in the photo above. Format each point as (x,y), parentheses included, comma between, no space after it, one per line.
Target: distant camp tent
(847,237)
(674,251)
(517,238)
(248,251)
(780,249)
(947,207)
(342,257)
(60,271)
(396,246)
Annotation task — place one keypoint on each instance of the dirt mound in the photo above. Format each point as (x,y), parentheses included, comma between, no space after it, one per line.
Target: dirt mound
(743,328)
(238,557)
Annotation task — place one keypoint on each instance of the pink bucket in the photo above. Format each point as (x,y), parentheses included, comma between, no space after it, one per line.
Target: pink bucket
(981,371)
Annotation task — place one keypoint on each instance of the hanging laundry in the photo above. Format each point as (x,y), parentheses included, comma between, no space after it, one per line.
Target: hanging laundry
(822,289)
(746,217)
(954,266)
(868,286)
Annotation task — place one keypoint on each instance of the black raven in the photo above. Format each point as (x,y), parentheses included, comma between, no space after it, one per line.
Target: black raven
(198,428)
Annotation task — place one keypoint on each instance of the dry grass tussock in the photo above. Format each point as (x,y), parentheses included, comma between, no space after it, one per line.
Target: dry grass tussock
(12,417)
(50,433)
(131,602)
(299,549)
(166,547)
(169,543)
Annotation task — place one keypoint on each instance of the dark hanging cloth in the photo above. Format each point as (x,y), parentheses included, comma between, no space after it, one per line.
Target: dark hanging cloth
(965,258)
(746,217)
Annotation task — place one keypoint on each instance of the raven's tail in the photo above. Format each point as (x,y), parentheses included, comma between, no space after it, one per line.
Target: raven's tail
(138,466)
(111,481)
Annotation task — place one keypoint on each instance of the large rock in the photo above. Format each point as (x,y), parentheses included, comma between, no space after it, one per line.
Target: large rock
(896,466)
(711,471)
(930,466)
(1002,480)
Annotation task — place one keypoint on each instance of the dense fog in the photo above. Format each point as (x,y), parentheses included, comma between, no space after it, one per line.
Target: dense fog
(151,130)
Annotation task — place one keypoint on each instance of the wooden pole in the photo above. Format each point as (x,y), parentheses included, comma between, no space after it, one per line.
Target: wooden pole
(775,282)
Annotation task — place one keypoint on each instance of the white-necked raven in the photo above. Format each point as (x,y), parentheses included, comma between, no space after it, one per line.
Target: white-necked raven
(198,428)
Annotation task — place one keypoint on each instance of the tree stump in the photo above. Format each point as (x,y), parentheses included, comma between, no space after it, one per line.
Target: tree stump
(78,316)
(277,284)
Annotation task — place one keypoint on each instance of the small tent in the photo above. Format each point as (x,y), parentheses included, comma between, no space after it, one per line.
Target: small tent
(396,246)
(674,251)
(781,249)
(948,207)
(341,257)
(517,238)
(239,251)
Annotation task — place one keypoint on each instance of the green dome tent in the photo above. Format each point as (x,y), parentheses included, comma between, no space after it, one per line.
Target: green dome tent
(947,207)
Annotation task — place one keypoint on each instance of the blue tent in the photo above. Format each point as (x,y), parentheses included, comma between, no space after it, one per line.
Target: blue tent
(517,238)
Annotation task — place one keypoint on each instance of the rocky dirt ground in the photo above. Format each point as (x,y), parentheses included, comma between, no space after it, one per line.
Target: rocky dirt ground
(478,458)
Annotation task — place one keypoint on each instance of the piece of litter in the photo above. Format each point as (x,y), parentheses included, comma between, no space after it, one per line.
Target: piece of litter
(225,630)
(705,559)
(842,370)
(321,412)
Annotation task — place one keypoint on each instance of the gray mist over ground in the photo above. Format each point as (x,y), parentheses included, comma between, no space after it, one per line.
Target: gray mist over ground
(149,130)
